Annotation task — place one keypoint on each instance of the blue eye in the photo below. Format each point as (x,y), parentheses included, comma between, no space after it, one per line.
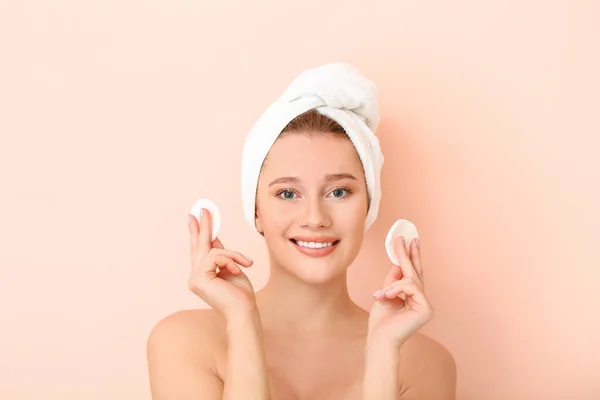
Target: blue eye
(340,192)
(286,194)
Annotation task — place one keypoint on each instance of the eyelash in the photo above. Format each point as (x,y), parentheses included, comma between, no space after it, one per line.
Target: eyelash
(280,192)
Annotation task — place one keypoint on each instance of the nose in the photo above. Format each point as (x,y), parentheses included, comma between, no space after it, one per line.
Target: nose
(315,215)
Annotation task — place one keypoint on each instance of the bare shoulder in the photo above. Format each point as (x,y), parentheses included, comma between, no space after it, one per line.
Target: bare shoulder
(188,324)
(183,350)
(423,349)
(428,369)
(197,333)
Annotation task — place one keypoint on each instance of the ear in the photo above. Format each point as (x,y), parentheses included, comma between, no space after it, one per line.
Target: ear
(257,223)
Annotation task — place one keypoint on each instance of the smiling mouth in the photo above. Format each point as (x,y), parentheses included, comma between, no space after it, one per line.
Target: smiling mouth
(314,245)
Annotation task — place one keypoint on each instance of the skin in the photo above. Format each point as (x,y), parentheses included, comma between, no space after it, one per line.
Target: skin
(301,337)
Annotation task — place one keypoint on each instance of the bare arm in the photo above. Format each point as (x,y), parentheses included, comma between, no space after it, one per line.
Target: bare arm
(381,373)
(246,364)
(181,349)
(182,364)
(427,368)
(430,371)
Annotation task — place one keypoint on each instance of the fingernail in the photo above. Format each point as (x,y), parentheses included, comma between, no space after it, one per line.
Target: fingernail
(198,218)
(376,293)
(248,258)
(389,291)
(418,244)
(403,241)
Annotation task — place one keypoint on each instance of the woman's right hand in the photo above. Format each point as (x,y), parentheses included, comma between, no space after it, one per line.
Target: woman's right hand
(216,277)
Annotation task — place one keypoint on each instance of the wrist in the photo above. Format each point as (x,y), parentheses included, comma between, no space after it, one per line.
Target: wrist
(380,343)
(379,350)
(243,322)
(382,353)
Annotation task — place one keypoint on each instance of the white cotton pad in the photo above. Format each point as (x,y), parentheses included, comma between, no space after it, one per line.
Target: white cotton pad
(214,212)
(402,227)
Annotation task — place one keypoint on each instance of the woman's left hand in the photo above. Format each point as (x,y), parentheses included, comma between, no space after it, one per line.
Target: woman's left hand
(393,320)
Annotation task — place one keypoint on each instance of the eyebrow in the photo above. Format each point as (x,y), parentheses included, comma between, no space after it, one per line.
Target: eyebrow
(328,178)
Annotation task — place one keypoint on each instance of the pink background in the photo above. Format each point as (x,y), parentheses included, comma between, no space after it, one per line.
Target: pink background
(115,116)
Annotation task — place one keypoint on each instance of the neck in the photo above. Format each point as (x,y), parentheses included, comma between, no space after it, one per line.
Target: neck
(288,304)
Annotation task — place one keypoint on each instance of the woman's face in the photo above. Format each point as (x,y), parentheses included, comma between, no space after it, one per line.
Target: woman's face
(312,204)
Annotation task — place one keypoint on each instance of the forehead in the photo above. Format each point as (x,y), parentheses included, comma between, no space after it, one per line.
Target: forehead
(319,154)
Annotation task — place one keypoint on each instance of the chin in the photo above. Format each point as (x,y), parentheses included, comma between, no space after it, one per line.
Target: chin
(314,270)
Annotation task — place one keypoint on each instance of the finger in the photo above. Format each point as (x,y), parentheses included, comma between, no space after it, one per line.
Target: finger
(205,239)
(218,266)
(239,258)
(381,296)
(411,289)
(217,244)
(395,288)
(405,263)
(219,262)
(193,228)
(225,273)
(227,264)
(415,257)
(394,274)
(387,288)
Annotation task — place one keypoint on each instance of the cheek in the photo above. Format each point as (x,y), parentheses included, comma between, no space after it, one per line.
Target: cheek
(354,222)
(274,215)
(355,210)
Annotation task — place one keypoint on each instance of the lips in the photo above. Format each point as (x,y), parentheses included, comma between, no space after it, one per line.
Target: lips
(300,243)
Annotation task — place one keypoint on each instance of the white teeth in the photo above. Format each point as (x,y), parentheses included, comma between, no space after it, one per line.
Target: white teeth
(313,245)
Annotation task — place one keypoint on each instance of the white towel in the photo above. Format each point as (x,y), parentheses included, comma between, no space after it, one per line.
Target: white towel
(338,91)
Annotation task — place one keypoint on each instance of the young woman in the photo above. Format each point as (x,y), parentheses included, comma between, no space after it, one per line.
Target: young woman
(301,336)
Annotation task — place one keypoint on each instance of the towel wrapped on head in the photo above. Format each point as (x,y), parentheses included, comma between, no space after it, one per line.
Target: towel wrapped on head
(338,91)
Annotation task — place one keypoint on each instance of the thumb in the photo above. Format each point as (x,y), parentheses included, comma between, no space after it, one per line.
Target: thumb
(394,274)
(217,244)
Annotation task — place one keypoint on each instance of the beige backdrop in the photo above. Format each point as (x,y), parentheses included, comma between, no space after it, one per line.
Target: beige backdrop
(115,116)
